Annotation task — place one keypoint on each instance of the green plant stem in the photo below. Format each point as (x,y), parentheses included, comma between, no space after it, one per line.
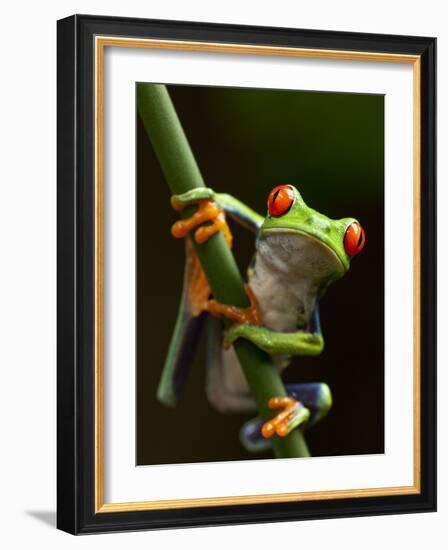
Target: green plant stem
(182,174)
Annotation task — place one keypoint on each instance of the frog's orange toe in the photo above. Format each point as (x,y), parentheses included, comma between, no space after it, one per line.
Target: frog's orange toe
(282,430)
(267,430)
(248,315)
(292,415)
(276,402)
(179,229)
(208,211)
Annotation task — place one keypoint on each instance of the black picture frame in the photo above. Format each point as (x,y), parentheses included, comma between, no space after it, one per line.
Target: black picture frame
(76,273)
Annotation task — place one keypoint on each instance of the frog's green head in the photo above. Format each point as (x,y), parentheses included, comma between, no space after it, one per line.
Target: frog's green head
(287,212)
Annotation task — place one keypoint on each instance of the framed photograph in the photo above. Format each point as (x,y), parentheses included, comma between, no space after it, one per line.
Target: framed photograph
(246,274)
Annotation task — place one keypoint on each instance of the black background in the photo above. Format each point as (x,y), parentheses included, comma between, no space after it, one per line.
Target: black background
(331,147)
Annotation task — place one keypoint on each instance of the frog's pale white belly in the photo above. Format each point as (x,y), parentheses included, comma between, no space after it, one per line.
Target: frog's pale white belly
(285,303)
(291,271)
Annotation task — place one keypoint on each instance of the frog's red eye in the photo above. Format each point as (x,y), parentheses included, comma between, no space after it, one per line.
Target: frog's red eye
(280,200)
(354,239)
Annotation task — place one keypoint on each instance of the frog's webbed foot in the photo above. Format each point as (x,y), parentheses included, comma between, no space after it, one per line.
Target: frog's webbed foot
(248,316)
(294,414)
(208,211)
(314,396)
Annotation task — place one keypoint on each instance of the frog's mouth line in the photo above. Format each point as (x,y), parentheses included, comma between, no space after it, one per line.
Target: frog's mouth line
(320,242)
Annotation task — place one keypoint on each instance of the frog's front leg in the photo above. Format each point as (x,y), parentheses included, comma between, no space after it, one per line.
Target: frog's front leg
(273,342)
(294,413)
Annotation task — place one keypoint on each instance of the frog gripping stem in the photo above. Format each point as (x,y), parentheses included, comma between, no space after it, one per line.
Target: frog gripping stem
(208,211)
(293,415)
(250,315)
(182,174)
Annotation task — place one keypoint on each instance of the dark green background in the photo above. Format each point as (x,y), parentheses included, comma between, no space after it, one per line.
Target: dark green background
(331,147)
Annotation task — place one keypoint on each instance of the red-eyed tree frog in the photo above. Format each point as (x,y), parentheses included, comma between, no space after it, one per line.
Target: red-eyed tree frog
(298,253)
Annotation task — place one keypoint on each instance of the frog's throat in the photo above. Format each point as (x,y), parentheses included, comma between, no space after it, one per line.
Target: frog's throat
(273,230)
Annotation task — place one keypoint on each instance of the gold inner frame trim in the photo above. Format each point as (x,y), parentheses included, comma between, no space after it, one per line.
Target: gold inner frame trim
(101,42)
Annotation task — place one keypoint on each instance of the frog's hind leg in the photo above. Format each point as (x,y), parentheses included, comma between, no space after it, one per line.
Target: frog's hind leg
(226,386)
(189,322)
(316,397)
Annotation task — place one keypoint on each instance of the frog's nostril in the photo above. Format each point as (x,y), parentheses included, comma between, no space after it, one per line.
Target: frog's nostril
(322,225)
